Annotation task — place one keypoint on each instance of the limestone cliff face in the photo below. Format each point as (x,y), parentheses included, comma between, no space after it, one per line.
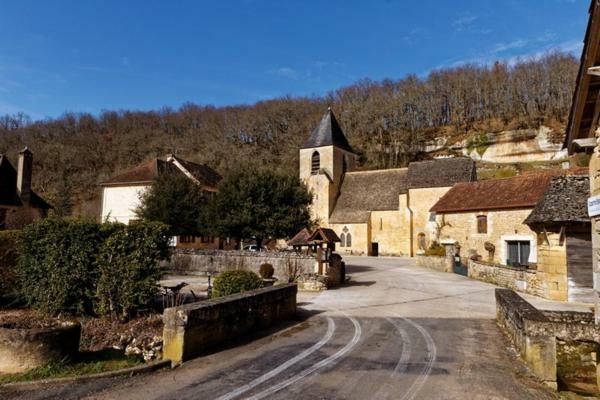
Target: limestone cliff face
(523,145)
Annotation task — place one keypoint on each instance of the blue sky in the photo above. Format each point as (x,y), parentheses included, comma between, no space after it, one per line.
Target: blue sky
(85,56)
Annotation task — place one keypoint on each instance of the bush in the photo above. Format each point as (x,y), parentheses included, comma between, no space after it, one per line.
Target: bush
(231,282)
(57,264)
(129,268)
(436,250)
(266,271)
(83,267)
(8,261)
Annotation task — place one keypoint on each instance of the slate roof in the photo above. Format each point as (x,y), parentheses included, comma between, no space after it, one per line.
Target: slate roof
(523,191)
(8,188)
(328,133)
(147,172)
(443,172)
(363,192)
(565,201)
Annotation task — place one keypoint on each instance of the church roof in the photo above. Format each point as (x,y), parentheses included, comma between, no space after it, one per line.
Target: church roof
(363,192)
(328,133)
(564,202)
(443,172)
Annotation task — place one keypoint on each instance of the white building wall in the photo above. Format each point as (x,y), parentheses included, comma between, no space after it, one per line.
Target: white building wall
(120,202)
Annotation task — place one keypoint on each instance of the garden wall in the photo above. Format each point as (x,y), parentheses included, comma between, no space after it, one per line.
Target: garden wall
(440,264)
(519,279)
(193,329)
(286,265)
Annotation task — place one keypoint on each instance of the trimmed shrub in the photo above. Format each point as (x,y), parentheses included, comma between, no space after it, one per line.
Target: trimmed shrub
(231,282)
(56,269)
(129,268)
(436,250)
(266,271)
(8,261)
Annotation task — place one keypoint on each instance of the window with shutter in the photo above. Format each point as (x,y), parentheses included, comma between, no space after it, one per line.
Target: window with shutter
(481,224)
(316,163)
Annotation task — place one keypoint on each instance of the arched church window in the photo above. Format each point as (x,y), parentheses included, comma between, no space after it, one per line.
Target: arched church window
(343,240)
(316,163)
(348,240)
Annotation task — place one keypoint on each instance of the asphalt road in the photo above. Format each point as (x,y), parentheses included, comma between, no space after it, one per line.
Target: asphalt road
(396,332)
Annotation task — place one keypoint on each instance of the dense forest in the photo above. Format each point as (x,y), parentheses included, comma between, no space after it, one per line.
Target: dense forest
(386,121)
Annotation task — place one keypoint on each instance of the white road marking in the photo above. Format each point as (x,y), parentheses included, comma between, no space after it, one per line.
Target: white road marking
(432,354)
(321,364)
(261,379)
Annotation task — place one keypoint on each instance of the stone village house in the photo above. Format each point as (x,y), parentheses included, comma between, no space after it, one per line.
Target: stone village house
(19,204)
(513,224)
(381,212)
(121,194)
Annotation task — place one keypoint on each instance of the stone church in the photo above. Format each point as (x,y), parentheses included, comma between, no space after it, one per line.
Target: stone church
(380,212)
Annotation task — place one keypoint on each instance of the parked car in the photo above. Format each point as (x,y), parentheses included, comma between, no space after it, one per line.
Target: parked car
(254,247)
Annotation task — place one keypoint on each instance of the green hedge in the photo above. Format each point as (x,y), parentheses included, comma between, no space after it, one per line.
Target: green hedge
(129,268)
(8,262)
(73,266)
(231,282)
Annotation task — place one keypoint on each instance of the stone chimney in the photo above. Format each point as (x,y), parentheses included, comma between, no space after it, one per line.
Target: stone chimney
(24,172)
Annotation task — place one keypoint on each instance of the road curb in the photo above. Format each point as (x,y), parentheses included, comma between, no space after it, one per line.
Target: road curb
(142,369)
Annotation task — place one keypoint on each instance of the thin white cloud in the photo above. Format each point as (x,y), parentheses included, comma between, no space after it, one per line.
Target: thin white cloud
(463,22)
(286,72)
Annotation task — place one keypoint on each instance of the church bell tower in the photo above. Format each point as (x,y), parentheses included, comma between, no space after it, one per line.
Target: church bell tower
(324,159)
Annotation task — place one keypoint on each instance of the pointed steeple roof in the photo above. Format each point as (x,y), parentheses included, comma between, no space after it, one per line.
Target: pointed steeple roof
(328,133)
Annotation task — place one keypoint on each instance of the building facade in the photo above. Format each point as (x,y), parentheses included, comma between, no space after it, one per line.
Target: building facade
(19,204)
(381,212)
(121,194)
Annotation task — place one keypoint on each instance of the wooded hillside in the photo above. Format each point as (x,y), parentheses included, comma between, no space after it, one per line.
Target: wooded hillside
(385,121)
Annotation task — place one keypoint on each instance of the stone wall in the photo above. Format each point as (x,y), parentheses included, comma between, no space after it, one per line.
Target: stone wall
(194,329)
(361,239)
(440,264)
(24,349)
(552,266)
(519,279)
(542,336)
(420,202)
(287,265)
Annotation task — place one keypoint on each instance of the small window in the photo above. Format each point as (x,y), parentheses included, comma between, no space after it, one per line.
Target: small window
(348,240)
(343,240)
(432,216)
(315,163)
(518,252)
(186,239)
(482,224)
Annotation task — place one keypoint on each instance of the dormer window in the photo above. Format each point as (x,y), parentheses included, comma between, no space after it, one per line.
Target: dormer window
(315,163)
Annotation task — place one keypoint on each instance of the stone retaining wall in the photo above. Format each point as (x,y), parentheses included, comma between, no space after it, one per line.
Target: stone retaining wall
(440,264)
(193,329)
(535,334)
(24,349)
(287,266)
(519,279)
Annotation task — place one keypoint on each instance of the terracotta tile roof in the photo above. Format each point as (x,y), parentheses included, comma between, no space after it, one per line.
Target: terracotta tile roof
(363,192)
(523,191)
(300,239)
(564,202)
(147,172)
(324,235)
(443,172)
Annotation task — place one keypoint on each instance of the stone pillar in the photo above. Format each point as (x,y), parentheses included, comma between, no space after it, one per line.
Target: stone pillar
(595,191)
(552,266)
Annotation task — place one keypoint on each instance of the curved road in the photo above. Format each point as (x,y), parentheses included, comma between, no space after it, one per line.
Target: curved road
(396,332)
